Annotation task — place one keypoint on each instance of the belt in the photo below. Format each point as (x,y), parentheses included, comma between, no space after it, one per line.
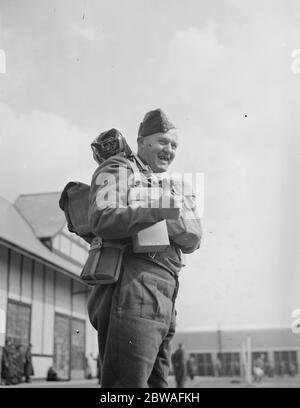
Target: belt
(150,257)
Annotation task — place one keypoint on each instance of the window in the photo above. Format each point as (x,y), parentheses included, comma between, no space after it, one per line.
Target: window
(230,364)
(204,363)
(62,346)
(65,245)
(18,323)
(286,362)
(69,347)
(77,348)
(78,253)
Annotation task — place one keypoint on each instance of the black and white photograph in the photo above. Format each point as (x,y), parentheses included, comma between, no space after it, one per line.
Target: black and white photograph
(149,196)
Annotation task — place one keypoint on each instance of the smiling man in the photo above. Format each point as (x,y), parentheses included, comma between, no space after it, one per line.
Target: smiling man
(135,316)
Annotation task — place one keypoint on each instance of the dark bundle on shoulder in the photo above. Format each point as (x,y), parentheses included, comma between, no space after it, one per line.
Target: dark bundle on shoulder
(74,200)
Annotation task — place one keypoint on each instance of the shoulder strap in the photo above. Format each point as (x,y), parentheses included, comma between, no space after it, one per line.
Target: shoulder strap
(138,168)
(135,170)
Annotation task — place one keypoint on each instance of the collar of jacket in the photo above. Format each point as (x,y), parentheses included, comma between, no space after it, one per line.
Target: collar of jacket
(143,167)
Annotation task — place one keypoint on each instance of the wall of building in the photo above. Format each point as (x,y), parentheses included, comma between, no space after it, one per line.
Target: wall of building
(44,292)
(70,245)
(277,345)
(3,283)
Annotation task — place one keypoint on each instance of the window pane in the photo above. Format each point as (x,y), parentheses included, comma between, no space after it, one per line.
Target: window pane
(18,323)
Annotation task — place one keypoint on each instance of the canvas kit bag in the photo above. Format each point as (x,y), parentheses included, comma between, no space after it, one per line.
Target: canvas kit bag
(74,202)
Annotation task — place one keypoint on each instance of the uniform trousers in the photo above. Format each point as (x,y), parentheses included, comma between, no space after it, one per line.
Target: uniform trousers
(135,320)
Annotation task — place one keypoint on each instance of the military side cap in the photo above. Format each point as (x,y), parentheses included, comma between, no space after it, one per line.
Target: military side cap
(155,121)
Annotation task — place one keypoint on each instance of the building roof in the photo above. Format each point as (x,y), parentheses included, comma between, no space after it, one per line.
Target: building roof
(42,213)
(16,232)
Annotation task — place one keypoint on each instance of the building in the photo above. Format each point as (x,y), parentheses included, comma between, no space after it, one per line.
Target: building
(222,352)
(41,294)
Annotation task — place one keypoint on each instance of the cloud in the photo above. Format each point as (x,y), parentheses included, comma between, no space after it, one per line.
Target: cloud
(83,35)
(91,34)
(41,152)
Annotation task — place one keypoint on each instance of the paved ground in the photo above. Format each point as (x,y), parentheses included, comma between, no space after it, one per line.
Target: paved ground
(229,382)
(198,382)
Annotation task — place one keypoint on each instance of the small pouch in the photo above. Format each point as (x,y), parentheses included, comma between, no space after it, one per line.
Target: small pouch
(104,263)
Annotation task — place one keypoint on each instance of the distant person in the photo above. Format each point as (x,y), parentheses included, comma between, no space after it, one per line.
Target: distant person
(267,367)
(20,362)
(52,374)
(7,363)
(217,367)
(235,368)
(179,366)
(258,368)
(292,369)
(191,367)
(28,368)
(269,370)
(99,369)
(14,363)
(88,370)
(281,368)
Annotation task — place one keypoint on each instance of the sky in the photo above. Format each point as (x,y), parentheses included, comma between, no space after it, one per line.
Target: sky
(226,72)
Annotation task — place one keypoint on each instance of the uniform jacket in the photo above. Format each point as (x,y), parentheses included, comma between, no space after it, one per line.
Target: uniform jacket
(111,217)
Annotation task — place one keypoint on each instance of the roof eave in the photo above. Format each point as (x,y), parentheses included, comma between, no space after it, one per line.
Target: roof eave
(41,259)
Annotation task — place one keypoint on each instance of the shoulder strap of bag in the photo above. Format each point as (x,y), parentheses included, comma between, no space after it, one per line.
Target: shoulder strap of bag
(99,243)
(138,168)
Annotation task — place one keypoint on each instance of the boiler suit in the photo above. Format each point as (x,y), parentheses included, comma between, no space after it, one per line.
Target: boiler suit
(134,317)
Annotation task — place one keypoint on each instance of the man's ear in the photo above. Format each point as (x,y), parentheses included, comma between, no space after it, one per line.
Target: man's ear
(140,143)
(140,140)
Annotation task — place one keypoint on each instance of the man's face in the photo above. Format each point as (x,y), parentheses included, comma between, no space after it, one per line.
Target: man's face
(158,150)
